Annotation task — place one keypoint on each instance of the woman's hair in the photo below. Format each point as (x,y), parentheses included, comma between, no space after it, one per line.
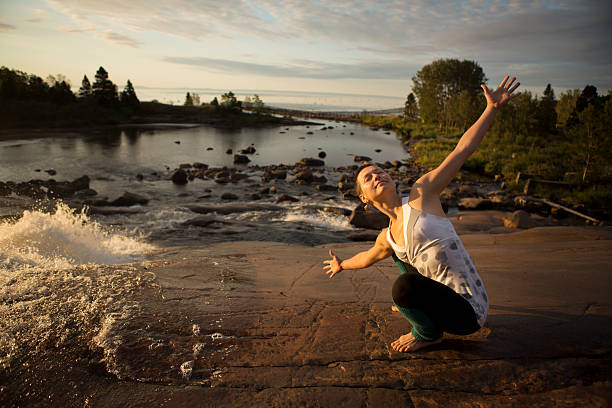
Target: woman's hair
(358,189)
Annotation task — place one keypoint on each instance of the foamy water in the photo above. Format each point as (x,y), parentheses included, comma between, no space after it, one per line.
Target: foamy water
(63,239)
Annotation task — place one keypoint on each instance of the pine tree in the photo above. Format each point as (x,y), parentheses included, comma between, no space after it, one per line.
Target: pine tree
(188,100)
(411,111)
(104,90)
(128,95)
(85,89)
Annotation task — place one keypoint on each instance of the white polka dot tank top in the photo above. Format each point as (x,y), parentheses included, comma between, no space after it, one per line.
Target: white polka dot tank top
(435,250)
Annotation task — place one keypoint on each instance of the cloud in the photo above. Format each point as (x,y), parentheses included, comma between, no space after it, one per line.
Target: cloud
(561,33)
(303,68)
(6,27)
(120,39)
(34,20)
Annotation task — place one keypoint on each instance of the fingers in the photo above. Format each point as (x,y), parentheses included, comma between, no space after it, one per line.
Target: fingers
(503,83)
(515,95)
(485,89)
(331,253)
(510,83)
(514,87)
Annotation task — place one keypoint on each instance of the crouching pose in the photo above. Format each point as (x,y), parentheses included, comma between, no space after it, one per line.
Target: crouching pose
(439,289)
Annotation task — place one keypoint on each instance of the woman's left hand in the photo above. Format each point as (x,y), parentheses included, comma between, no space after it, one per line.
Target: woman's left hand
(501,95)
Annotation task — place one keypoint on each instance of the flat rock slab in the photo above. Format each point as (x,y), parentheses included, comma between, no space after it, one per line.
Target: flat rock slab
(260,324)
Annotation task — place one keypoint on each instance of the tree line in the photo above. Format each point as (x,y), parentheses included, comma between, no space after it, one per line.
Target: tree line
(18,86)
(569,137)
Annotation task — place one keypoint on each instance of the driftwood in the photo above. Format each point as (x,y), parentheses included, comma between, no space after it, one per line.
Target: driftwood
(569,210)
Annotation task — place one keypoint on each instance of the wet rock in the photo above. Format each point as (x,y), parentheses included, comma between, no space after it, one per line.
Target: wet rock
(199,165)
(128,199)
(274,174)
(248,150)
(51,172)
(345,186)
(467,190)
(231,208)
(204,221)
(309,133)
(358,158)
(209,148)
(235,177)
(319,179)
(309,161)
(179,177)
(255,197)
(377,150)
(229,196)
(322,155)
(139,177)
(177,141)
(474,203)
(325,187)
(185,166)
(228,151)
(304,176)
(241,159)
(283,198)
(265,190)
(519,219)
(338,211)
(370,218)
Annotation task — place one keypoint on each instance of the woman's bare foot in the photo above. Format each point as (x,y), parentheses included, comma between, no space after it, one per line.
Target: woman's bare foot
(407,343)
(394,308)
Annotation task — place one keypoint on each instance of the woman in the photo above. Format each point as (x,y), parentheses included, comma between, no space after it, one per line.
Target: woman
(439,289)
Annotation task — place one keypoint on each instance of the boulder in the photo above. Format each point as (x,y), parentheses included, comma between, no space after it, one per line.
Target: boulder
(179,177)
(241,159)
(309,161)
(370,218)
(519,219)
(128,199)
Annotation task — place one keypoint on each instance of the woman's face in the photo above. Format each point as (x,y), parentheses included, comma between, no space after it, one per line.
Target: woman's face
(375,183)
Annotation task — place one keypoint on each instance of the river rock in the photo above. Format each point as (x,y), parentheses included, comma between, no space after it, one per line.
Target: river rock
(179,177)
(199,165)
(241,159)
(304,176)
(519,219)
(358,158)
(309,161)
(326,187)
(283,198)
(322,155)
(228,151)
(370,219)
(474,203)
(204,221)
(128,199)
(185,166)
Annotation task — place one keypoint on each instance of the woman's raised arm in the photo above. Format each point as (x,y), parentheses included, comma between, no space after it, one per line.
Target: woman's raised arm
(431,184)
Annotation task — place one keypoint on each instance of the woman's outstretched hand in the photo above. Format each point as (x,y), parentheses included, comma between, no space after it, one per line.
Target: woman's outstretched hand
(333,265)
(501,95)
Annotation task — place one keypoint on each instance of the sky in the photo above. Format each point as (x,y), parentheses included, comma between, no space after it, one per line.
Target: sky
(361,47)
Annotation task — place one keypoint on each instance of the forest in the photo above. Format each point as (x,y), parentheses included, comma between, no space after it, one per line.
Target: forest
(565,139)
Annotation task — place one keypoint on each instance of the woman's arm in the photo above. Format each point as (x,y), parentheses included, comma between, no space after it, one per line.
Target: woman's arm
(378,252)
(432,183)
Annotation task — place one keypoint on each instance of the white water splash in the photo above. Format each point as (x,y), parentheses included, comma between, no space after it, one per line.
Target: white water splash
(61,240)
(320,219)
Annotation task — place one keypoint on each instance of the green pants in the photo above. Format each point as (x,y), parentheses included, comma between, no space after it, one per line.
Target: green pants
(423,328)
